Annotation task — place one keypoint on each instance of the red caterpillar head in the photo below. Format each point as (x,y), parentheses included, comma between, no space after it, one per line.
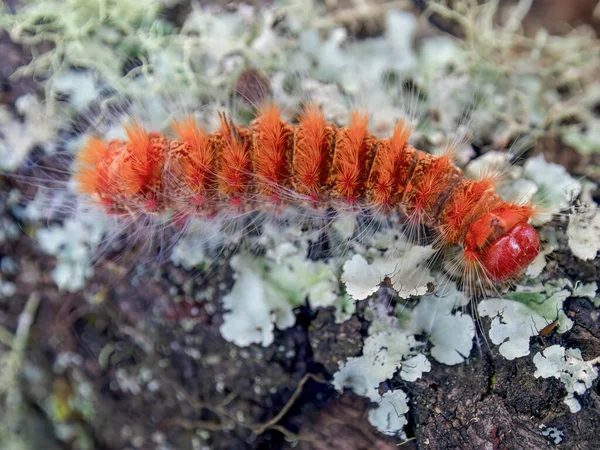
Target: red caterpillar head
(503,242)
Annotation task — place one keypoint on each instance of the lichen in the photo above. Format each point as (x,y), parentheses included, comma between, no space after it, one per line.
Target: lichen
(395,345)
(74,243)
(403,264)
(556,188)
(450,332)
(524,313)
(509,64)
(390,415)
(267,289)
(569,367)
(21,135)
(552,433)
(584,233)
(383,354)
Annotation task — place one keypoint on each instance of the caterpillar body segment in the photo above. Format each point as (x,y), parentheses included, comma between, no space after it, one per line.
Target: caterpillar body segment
(314,143)
(392,168)
(272,163)
(233,164)
(271,160)
(353,156)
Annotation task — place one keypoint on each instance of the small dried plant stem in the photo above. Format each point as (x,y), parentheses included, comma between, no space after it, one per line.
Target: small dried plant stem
(362,12)
(256,429)
(15,359)
(259,429)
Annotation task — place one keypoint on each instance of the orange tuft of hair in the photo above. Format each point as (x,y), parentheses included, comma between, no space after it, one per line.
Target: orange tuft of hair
(234,174)
(270,157)
(391,167)
(195,159)
(313,141)
(134,168)
(432,181)
(88,177)
(352,159)
(190,178)
(141,168)
(466,203)
(188,131)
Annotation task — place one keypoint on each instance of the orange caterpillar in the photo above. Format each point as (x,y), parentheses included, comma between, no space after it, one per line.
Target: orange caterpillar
(317,164)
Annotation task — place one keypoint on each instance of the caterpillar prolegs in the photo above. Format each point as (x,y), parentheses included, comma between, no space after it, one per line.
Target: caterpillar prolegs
(314,164)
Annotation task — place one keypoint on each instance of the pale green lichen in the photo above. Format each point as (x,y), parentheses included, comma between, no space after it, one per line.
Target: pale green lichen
(524,313)
(585,139)
(586,290)
(95,35)
(522,75)
(14,414)
(585,136)
(267,289)
(556,188)
(345,308)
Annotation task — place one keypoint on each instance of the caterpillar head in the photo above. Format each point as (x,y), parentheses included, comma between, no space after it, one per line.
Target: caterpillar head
(511,253)
(503,242)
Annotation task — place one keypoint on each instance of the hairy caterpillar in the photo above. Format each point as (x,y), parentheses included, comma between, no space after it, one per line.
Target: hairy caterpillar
(271,164)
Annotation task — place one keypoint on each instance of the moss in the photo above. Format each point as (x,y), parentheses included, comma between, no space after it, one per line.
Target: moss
(534,82)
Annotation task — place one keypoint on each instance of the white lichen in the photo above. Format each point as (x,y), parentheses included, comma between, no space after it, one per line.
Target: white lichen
(383,354)
(393,346)
(7,288)
(74,244)
(450,332)
(569,367)
(404,265)
(412,369)
(21,134)
(584,233)
(549,244)
(251,318)
(389,417)
(553,434)
(202,239)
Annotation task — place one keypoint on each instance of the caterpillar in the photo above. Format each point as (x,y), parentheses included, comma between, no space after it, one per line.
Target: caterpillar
(271,164)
